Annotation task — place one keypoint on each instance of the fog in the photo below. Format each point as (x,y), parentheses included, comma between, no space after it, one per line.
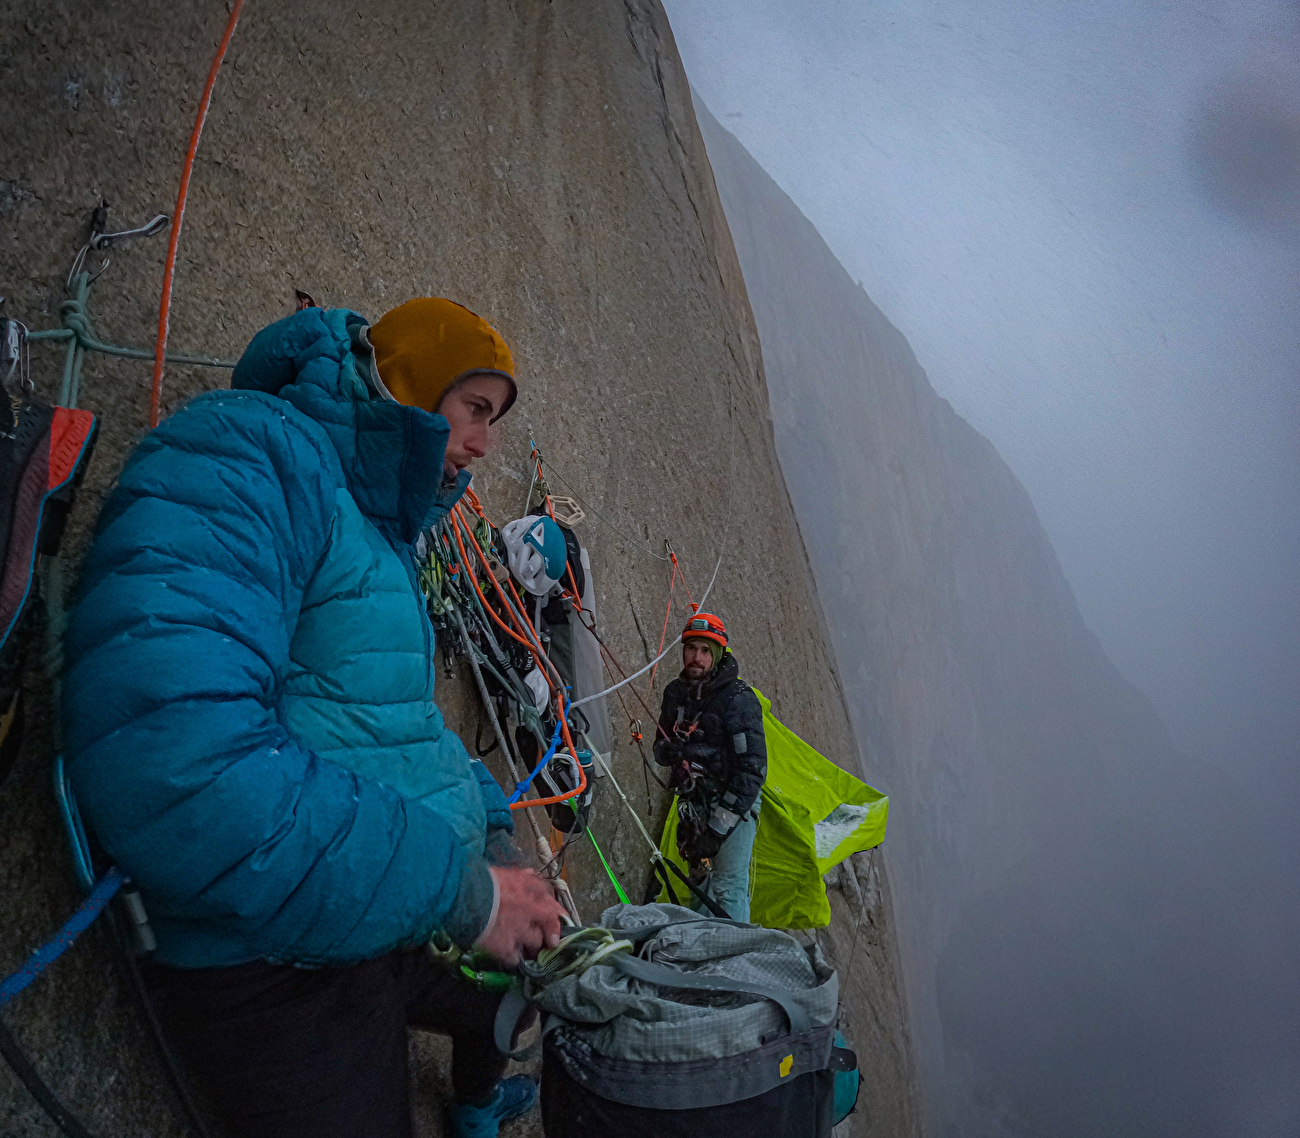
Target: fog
(1084,219)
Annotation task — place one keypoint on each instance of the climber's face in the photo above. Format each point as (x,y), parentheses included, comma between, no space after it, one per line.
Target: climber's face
(697,660)
(469,408)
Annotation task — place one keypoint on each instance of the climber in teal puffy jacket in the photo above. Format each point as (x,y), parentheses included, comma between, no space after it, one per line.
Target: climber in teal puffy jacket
(251,728)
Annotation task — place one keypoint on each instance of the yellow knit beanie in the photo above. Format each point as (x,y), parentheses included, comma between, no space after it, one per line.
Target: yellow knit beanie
(423,347)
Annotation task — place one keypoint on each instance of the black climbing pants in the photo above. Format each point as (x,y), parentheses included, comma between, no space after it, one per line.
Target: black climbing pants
(287,1052)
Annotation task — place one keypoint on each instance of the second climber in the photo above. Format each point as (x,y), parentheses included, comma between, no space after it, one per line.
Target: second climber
(711,736)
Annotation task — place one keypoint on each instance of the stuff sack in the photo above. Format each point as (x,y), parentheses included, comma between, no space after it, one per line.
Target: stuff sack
(44,452)
(700,1023)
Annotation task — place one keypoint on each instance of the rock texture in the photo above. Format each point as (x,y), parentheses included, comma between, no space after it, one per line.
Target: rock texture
(1052,857)
(539,163)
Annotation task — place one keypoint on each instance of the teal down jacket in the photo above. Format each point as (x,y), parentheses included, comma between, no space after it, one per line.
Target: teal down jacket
(248,701)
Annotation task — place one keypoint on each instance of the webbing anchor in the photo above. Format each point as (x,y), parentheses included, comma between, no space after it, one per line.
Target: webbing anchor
(99,240)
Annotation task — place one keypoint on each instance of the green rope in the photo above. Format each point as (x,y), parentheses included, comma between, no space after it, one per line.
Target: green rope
(80,338)
(81,334)
(617,887)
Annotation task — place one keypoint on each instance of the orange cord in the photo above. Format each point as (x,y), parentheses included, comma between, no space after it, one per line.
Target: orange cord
(459,522)
(474,581)
(668,612)
(165,305)
(673,558)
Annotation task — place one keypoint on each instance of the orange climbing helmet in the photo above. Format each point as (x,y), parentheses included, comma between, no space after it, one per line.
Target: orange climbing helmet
(705,626)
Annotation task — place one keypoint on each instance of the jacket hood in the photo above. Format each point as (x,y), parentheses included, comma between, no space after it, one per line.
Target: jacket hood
(391,454)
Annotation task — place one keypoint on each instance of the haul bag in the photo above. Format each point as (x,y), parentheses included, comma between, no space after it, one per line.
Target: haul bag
(700,1022)
(800,1104)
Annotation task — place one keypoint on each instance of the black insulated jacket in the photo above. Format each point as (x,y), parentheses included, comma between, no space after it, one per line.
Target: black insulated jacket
(715,724)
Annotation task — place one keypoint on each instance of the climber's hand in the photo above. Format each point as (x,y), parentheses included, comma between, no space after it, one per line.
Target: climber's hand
(700,755)
(667,751)
(527,917)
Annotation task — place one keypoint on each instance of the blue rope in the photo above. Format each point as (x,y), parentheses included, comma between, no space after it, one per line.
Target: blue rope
(521,787)
(76,924)
(72,824)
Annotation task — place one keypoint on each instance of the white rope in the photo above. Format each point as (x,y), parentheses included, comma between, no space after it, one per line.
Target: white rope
(624,682)
(633,676)
(654,849)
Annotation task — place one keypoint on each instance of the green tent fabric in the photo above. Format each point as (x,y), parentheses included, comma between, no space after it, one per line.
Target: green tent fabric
(814,816)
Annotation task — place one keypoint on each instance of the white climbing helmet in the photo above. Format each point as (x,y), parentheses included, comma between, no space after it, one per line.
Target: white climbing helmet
(536,552)
(536,683)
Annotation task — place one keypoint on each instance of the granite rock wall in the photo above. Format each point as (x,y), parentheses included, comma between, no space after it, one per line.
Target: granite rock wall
(539,163)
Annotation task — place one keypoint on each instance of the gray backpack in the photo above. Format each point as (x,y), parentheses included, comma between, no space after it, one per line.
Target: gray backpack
(684,1022)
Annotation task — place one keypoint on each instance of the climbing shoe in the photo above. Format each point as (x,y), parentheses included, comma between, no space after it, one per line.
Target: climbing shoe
(514,1096)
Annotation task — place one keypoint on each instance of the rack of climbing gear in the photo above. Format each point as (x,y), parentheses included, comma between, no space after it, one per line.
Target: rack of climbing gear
(817,813)
(479,614)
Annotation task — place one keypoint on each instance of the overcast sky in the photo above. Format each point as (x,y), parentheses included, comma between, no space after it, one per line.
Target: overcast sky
(1084,218)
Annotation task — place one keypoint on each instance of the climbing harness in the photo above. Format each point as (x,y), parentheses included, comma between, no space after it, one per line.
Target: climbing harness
(814,816)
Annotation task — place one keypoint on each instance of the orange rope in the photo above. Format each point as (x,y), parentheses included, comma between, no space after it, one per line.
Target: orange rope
(165,305)
(455,529)
(458,523)
(529,641)
(672,584)
(694,607)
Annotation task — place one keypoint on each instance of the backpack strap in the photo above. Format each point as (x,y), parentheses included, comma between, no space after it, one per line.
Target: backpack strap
(511,1010)
(640,933)
(661,974)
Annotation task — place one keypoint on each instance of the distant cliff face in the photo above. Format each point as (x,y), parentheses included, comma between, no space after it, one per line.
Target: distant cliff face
(1051,854)
(539,163)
